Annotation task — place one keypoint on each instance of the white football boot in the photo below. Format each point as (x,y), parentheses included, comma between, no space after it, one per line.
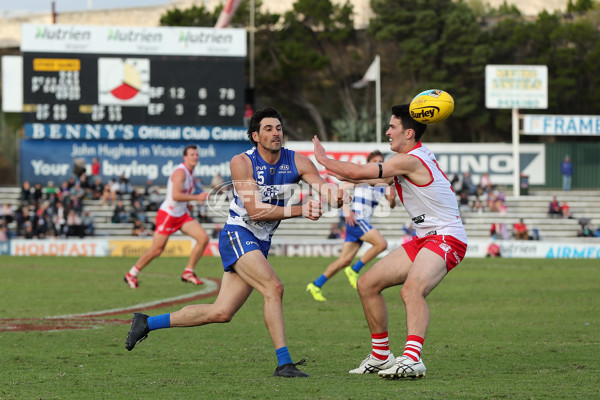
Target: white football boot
(404,367)
(371,365)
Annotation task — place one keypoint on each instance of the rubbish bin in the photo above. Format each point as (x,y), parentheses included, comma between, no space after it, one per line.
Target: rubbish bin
(524,185)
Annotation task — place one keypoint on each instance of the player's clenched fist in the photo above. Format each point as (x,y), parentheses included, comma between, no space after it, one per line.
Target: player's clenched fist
(312,210)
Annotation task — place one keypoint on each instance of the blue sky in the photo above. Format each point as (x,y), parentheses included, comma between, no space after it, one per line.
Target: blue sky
(73,5)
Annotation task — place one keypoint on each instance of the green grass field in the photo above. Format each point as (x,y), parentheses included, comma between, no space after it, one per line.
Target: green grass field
(500,329)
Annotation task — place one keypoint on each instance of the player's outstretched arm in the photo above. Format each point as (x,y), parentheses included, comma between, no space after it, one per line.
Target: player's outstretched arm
(399,164)
(333,194)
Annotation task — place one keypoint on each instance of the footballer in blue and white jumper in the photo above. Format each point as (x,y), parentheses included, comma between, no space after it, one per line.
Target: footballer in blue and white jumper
(358,230)
(264,179)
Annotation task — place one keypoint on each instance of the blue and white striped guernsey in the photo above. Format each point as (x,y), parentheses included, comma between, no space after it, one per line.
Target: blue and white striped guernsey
(366,198)
(276,183)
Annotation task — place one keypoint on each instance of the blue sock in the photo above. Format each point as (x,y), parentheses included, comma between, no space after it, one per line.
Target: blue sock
(320,281)
(356,267)
(159,322)
(283,356)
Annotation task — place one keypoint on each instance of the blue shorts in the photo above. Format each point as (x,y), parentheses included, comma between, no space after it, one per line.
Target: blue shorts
(235,241)
(354,233)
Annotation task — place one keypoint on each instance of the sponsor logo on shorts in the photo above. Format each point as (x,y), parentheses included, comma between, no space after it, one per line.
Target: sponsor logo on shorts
(249,242)
(445,247)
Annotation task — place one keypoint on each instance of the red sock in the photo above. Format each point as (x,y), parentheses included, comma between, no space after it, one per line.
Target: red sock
(414,345)
(381,345)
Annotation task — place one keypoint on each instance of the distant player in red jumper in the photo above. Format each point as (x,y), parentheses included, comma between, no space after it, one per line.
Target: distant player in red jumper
(418,265)
(174,215)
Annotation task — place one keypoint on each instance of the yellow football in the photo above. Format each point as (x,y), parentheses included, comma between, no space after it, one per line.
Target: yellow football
(431,106)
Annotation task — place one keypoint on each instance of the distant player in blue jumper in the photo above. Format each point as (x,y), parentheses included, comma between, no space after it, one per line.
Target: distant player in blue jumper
(264,180)
(358,230)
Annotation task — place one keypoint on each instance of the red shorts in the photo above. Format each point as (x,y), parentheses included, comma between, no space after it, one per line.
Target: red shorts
(167,224)
(449,248)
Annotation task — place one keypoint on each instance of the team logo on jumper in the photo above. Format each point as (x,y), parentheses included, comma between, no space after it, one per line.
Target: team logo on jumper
(272,170)
(268,192)
(419,219)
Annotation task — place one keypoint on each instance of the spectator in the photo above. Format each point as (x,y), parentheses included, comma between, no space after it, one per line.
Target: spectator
(136,195)
(463,202)
(477,205)
(119,213)
(86,184)
(95,167)
(60,220)
(520,230)
(554,209)
(124,185)
(109,193)
(495,202)
(77,194)
(485,186)
(467,184)
(494,231)
(4,235)
(97,189)
(137,212)
(485,181)
(88,224)
(149,188)
(565,210)
(38,192)
(26,193)
(43,220)
(29,232)
(78,167)
(6,213)
(139,229)
(566,169)
(154,199)
(50,189)
(493,250)
(64,193)
(74,225)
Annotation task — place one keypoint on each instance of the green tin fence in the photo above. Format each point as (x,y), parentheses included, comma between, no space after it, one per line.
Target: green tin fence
(586,164)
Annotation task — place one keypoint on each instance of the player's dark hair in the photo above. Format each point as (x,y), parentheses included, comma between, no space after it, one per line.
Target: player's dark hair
(189,146)
(374,154)
(257,117)
(403,114)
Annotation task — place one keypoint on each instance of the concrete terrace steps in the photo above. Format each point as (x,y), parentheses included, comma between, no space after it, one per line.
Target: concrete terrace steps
(532,208)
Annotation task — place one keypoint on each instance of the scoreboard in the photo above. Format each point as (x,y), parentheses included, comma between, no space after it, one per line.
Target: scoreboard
(137,76)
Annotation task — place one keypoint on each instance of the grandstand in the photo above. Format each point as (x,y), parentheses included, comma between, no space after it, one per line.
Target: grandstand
(531,208)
